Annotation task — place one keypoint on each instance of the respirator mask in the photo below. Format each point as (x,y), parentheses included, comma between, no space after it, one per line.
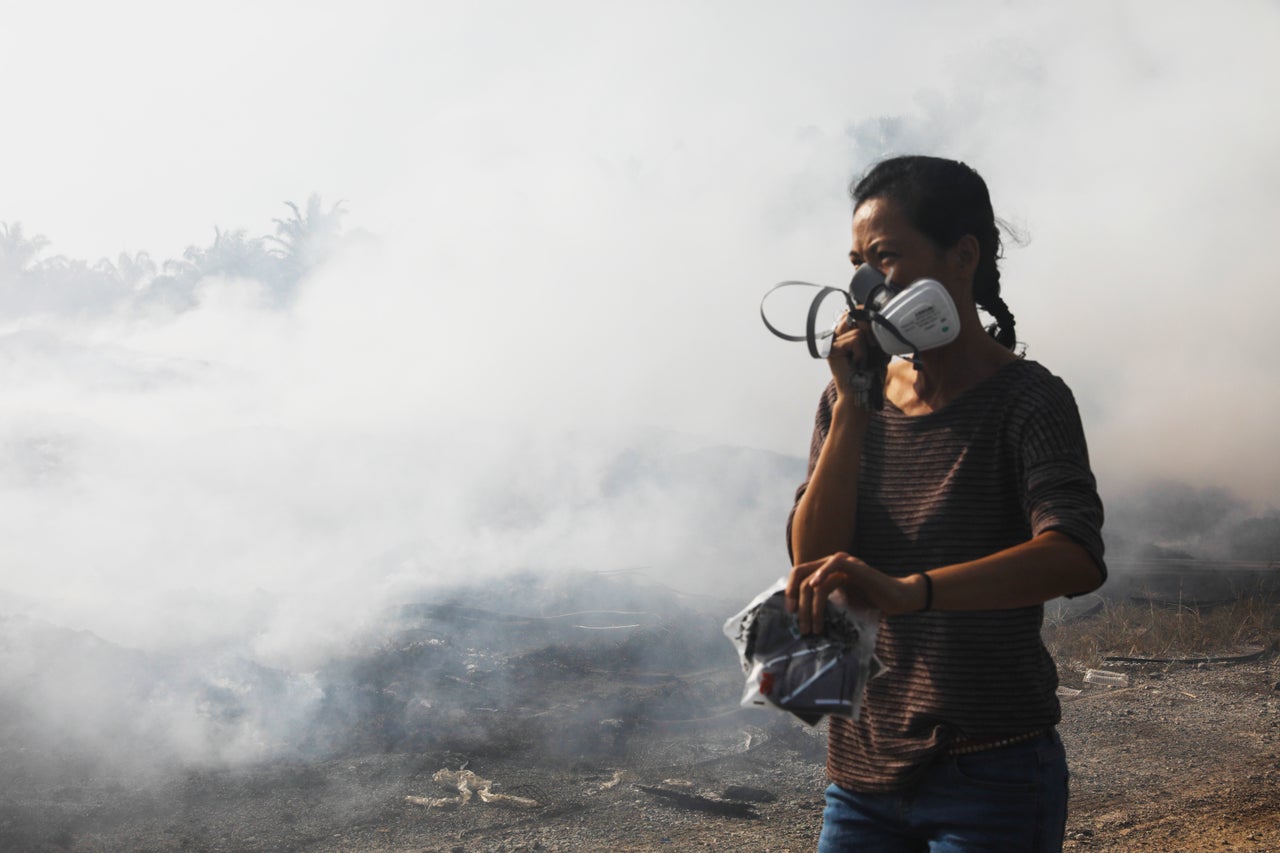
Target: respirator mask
(904,321)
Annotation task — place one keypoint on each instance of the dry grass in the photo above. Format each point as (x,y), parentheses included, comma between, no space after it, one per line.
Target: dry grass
(1148,629)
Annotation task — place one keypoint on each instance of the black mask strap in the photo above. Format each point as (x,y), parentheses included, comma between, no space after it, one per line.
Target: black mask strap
(811,332)
(879,320)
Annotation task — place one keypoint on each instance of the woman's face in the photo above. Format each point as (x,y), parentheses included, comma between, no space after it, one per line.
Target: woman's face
(884,238)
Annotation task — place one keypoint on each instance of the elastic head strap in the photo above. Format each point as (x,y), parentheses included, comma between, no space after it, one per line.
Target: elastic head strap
(810,324)
(765,319)
(811,332)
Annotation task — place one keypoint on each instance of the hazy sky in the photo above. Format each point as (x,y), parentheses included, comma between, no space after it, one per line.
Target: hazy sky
(611,186)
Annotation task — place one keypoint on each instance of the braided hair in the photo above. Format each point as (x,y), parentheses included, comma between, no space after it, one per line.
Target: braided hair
(945,200)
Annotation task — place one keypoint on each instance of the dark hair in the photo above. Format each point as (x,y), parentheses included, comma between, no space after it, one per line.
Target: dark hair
(945,200)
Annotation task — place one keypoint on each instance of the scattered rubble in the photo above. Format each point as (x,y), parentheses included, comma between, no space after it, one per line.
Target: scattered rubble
(468,783)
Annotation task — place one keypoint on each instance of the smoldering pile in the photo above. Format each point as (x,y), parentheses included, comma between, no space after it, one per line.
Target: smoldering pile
(579,667)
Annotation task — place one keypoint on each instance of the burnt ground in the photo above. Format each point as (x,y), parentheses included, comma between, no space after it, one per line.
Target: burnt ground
(615,738)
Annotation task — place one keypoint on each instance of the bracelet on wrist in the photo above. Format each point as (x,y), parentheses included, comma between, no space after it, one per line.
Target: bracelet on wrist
(928,592)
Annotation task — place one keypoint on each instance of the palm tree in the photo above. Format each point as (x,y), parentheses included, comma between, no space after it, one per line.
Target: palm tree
(70,286)
(306,239)
(18,251)
(232,254)
(133,271)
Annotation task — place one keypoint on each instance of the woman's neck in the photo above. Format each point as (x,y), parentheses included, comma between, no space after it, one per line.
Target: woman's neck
(940,376)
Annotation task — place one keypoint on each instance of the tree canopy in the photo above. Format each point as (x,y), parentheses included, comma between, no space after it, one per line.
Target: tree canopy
(279,262)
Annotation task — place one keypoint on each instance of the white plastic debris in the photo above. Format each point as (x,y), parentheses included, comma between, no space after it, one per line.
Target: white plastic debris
(618,776)
(1106,677)
(469,783)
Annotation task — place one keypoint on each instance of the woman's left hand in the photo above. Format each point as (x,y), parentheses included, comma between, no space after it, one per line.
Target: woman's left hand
(810,584)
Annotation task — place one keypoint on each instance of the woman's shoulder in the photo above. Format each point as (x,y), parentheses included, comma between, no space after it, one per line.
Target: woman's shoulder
(1031,377)
(1034,395)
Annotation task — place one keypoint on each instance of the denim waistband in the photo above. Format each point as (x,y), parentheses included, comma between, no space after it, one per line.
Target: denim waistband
(967,745)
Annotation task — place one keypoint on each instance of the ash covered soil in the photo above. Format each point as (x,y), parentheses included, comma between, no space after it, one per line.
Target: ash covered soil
(578,724)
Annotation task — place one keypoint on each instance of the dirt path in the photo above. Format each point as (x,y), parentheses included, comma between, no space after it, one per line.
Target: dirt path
(1186,759)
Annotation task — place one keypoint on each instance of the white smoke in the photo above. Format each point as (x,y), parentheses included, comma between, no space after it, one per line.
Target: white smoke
(578,209)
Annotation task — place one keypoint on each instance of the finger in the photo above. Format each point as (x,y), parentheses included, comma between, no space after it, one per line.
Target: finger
(841,574)
(795,580)
(853,344)
(802,608)
(850,344)
(818,606)
(805,608)
(799,572)
(860,584)
(821,594)
(819,585)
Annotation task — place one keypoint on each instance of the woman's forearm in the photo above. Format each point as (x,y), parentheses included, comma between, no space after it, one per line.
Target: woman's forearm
(824,520)
(1046,567)
(1039,570)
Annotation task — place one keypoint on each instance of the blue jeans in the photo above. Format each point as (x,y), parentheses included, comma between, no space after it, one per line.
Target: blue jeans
(1012,799)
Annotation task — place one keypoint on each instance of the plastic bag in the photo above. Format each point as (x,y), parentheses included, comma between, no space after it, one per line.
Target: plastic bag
(809,676)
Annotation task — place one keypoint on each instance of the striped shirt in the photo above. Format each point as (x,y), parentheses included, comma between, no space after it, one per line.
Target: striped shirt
(1000,464)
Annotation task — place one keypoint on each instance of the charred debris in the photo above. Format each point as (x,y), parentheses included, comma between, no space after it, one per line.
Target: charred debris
(559,671)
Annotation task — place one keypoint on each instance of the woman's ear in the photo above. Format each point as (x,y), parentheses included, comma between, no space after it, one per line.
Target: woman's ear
(965,254)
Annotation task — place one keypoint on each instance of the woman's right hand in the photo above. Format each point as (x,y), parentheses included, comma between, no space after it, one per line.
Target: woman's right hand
(850,347)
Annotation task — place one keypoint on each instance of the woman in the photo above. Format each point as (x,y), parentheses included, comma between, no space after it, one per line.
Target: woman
(956,511)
